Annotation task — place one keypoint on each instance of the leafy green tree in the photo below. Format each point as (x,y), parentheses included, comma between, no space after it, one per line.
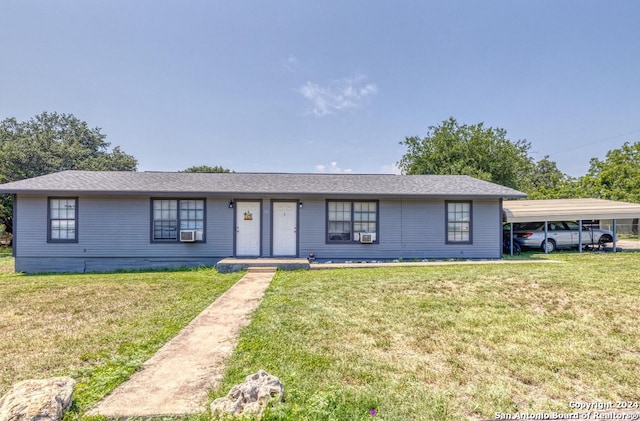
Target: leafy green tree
(205,168)
(52,142)
(546,181)
(475,150)
(615,178)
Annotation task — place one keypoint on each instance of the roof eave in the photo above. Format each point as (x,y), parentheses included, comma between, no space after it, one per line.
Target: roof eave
(248,194)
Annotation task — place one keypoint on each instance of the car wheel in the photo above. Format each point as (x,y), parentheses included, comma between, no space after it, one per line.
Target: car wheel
(549,245)
(516,248)
(604,240)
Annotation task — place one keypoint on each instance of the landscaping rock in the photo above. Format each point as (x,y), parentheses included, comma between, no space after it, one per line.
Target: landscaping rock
(37,400)
(251,397)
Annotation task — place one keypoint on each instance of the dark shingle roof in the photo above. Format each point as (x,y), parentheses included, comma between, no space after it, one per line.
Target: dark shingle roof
(120,182)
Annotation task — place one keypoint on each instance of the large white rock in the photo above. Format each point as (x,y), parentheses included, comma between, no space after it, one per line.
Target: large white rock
(37,400)
(250,397)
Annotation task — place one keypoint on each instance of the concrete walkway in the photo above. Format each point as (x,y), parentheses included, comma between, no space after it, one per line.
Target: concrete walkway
(176,379)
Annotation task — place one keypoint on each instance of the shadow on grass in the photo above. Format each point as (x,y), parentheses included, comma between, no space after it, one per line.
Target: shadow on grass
(539,255)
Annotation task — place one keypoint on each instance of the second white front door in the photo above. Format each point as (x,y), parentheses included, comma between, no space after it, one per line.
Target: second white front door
(248,228)
(285,227)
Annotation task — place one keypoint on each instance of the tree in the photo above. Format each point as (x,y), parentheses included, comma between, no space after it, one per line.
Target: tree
(546,181)
(205,168)
(52,142)
(615,178)
(475,150)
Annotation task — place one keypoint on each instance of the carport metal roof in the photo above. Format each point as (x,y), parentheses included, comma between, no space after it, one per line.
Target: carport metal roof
(567,210)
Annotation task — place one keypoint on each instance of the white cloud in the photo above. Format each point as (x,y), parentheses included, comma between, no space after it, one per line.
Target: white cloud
(337,95)
(332,168)
(291,63)
(390,169)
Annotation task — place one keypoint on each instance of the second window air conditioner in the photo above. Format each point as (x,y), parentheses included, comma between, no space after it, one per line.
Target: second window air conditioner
(188,236)
(367,237)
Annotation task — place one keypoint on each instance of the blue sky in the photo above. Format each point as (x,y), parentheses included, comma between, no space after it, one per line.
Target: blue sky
(324,86)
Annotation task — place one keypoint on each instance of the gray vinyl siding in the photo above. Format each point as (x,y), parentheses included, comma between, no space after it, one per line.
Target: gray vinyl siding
(115,228)
(408,229)
(114,232)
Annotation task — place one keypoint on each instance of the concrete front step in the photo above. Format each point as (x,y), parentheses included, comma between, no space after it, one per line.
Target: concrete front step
(234,264)
(262,269)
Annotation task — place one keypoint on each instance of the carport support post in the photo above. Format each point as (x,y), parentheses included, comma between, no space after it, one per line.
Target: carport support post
(615,234)
(511,237)
(546,237)
(580,236)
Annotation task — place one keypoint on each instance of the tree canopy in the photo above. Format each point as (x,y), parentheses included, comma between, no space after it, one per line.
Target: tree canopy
(546,181)
(615,178)
(52,142)
(475,150)
(205,168)
(486,153)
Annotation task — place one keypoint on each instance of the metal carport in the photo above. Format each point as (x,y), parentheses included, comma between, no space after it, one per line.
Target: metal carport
(567,210)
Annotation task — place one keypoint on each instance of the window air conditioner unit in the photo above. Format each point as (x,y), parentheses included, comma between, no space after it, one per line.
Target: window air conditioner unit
(188,236)
(367,237)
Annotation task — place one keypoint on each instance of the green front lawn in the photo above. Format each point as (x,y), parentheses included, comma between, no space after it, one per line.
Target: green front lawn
(96,328)
(424,343)
(448,343)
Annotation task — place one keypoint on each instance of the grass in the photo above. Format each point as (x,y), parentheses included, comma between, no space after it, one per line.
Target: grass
(96,328)
(6,261)
(447,343)
(422,343)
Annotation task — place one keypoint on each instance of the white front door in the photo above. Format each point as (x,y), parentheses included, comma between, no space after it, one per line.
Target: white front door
(285,227)
(247,228)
